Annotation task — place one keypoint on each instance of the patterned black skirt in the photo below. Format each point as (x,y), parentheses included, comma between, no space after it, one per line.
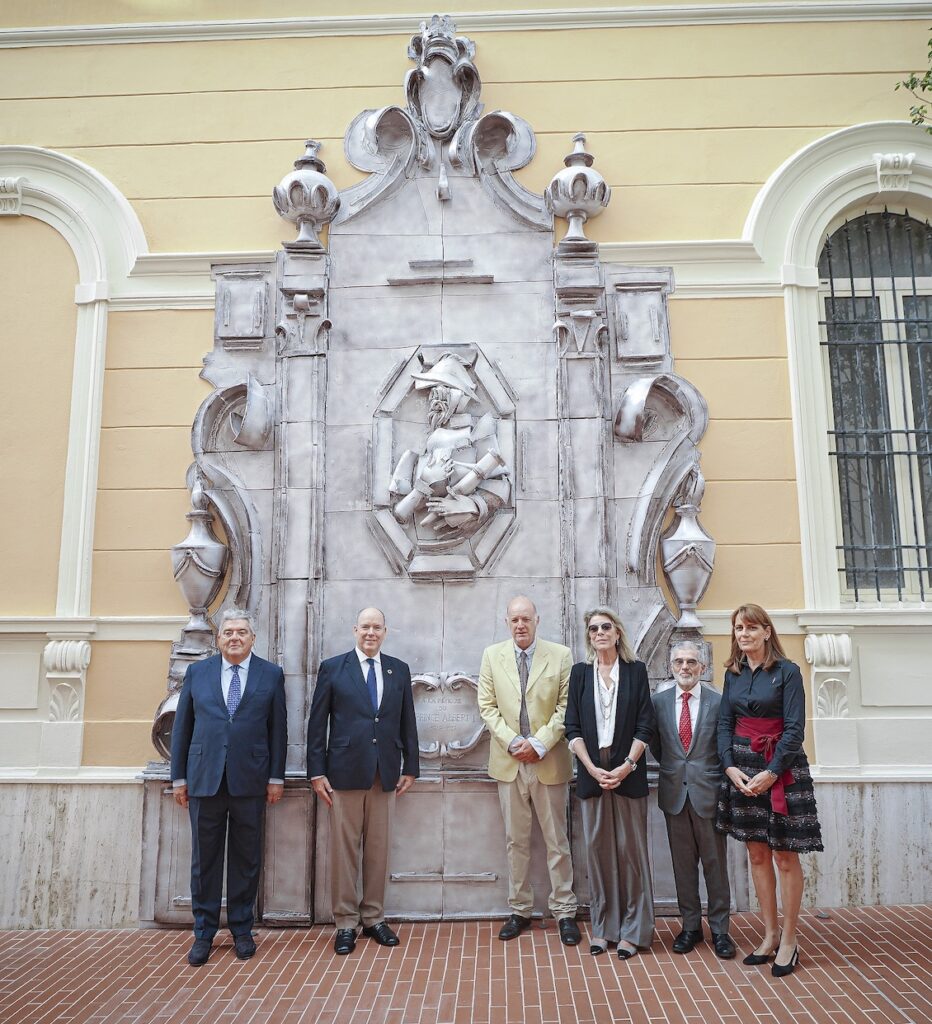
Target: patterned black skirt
(751,819)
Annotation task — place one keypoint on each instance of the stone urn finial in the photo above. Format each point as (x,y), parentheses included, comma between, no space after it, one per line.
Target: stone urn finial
(307,198)
(577,193)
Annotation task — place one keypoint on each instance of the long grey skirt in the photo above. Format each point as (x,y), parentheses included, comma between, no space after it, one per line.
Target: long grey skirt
(621,903)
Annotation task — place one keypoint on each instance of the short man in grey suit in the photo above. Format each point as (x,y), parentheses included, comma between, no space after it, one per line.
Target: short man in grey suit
(690,772)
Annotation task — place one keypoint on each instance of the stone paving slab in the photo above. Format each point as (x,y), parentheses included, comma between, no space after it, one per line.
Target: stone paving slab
(858,966)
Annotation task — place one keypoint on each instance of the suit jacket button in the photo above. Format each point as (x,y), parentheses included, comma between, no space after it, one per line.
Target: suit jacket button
(376,719)
(375,741)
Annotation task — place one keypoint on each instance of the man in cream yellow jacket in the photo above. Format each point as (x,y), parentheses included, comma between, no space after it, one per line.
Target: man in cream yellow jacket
(523,685)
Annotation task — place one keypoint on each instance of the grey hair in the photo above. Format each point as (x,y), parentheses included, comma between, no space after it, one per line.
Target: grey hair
(238,613)
(691,645)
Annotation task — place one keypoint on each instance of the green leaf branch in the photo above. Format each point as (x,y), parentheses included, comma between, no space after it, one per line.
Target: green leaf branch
(920,87)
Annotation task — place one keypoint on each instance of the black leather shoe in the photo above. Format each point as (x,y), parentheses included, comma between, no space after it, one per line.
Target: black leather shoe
(569,931)
(245,947)
(199,953)
(685,941)
(514,926)
(382,934)
(724,947)
(345,941)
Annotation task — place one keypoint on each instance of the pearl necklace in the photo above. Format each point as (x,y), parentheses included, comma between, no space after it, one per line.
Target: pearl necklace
(605,704)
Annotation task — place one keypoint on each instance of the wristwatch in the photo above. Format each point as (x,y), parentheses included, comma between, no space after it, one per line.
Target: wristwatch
(634,764)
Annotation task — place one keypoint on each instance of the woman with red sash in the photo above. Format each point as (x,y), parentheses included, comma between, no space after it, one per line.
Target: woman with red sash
(767,800)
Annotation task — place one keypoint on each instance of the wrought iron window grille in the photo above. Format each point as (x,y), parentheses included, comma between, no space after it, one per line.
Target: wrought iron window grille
(877,337)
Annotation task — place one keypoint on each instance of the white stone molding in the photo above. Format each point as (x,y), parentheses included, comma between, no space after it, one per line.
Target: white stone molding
(11,196)
(787,225)
(105,235)
(832,699)
(640,15)
(66,660)
(828,651)
(894,171)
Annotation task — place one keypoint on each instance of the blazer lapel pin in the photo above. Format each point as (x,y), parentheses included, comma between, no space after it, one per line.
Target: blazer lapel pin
(389,671)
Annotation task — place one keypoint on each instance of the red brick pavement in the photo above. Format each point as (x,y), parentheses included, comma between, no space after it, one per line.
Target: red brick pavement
(863,966)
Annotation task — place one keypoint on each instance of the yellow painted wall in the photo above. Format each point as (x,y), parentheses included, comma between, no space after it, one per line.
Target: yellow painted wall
(125,684)
(686,122)
(37,348)
(151,393)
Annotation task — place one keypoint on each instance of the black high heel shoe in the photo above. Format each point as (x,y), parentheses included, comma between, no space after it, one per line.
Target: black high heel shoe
(782,970)
(758,959)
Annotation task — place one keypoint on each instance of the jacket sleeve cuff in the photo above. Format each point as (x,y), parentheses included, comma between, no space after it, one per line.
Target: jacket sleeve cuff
(538,746)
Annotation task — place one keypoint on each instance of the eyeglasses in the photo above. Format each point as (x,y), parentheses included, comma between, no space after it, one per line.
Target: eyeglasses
(604,627)
(688,662)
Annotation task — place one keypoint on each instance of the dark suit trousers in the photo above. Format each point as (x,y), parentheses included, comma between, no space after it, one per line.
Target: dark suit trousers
(693,839)
(235,823)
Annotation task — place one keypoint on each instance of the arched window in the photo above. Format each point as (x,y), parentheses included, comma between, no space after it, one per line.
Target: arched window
(876,332)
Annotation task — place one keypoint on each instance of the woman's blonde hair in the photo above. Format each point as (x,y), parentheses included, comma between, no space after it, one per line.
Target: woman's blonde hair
(621,644)
(756,616)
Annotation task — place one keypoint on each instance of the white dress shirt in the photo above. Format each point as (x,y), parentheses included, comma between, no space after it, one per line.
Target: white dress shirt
(692,704)
(605,724)
(226,677)
(364,665)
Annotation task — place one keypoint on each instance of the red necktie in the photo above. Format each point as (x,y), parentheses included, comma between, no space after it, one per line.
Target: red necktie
(686,725)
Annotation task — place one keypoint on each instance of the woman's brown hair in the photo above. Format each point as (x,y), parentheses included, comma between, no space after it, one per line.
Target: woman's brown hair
(773,649)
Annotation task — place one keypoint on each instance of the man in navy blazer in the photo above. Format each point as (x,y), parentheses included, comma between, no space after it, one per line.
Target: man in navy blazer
(229,742)
(369,756)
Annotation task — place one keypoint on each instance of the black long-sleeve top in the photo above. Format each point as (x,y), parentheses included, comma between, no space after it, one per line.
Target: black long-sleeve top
(634,719)
(776,692)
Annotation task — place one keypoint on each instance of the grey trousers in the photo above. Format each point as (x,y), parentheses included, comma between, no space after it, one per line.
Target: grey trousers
(621,900)
(694,839)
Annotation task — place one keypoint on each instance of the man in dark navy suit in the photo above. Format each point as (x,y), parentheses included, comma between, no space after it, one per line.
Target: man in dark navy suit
(229,742)
(370,756)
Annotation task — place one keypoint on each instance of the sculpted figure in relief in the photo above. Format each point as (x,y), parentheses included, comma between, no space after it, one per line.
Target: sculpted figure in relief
(458,478)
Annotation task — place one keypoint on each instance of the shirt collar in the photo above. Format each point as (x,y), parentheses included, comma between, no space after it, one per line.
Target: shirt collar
(243,665)
(529,651)
(694,692)
(363,658)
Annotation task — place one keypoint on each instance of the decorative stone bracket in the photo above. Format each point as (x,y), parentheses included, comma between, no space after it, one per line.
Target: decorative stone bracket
(836,735)
(11,196)
(65,662)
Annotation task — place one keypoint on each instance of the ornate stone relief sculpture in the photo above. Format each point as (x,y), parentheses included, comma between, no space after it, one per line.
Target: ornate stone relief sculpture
(447,504)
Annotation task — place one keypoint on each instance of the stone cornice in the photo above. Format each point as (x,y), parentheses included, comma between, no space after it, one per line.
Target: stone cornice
(640,15)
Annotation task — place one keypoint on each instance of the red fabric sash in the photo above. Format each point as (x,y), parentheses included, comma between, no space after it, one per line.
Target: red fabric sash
(764,734)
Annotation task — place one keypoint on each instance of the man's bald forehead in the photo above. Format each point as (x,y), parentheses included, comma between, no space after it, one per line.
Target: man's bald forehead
(369,612)
(519,599)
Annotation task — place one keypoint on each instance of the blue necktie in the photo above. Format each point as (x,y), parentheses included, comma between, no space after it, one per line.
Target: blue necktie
(370,682)
(235,693)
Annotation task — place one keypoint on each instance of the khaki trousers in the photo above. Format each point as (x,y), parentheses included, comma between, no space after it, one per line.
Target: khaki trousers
(549,804)
(360,817)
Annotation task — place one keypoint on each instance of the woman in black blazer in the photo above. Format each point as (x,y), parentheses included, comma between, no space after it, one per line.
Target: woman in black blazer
(609,721)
